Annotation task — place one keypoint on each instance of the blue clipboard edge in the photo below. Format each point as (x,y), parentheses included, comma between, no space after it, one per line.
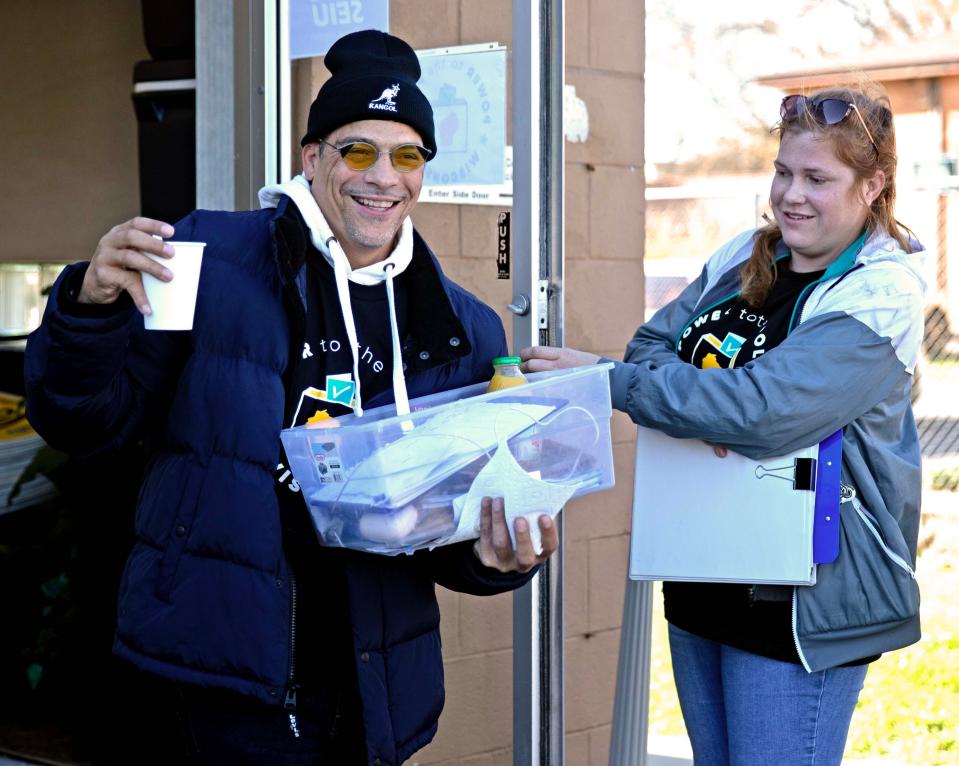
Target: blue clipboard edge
(825,535)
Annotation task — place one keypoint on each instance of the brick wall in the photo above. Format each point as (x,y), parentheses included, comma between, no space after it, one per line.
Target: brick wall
(604,282)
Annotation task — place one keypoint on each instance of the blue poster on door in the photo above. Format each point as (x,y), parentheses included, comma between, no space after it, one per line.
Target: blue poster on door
(316,24)
(467,88)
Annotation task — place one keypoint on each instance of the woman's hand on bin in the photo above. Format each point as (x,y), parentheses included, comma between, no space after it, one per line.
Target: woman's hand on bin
(494,548)
(539,358)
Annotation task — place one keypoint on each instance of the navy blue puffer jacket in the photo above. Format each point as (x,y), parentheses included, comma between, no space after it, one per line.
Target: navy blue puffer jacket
(206,594)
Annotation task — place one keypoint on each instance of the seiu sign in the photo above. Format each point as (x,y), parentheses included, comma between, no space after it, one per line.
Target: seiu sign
(316,24)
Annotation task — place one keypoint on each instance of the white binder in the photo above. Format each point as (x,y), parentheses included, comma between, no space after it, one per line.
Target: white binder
(698,517)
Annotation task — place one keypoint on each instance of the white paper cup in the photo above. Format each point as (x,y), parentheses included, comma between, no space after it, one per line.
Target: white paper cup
(173,302)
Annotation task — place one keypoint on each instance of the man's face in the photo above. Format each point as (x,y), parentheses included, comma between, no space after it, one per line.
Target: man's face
(365,208)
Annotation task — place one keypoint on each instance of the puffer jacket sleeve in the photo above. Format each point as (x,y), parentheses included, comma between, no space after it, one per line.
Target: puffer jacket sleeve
(457,568)
(847,358)
(93,373)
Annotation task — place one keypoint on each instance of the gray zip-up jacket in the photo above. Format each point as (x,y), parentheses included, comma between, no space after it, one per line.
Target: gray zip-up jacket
(847,363)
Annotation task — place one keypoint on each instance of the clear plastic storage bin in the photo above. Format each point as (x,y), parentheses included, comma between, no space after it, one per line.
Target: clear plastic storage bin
(392,484)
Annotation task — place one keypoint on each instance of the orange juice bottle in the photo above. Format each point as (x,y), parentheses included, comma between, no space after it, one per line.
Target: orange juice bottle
(506,373)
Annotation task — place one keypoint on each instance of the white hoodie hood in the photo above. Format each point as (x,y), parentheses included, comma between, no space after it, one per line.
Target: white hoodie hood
(298,190)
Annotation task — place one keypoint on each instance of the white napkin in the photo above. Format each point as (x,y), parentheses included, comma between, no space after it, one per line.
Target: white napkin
(524,495)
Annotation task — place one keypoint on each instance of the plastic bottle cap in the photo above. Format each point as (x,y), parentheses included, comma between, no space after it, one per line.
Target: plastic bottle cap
(506,360)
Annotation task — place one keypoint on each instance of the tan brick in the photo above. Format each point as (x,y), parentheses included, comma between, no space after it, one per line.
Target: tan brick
(615,105)
(591,671)
(576,224)
(479,706)
(623,429)
(608,559)
(479,238)
(603,302)
(576,589)
(303,88)
(486,759)
(486,22)
(577,32)
(479,277)
(425,757)
(440,227)
(486,623)
(605,514)
(599,746)
(577,748)
(441,17)
(498,758)
(616,212)
(449,621)
(616,35)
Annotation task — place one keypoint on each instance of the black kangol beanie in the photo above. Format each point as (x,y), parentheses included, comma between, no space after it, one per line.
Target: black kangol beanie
(374,78)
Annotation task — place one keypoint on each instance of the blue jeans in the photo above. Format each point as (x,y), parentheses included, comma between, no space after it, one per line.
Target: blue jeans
(742,709)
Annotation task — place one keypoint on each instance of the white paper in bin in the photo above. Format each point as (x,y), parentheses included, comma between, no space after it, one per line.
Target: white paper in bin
(369,488)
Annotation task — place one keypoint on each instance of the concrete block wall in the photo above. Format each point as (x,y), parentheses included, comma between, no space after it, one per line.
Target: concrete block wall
(604,231)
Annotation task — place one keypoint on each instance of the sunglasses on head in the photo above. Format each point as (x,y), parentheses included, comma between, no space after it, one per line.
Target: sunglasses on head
(825,111)
(360,155)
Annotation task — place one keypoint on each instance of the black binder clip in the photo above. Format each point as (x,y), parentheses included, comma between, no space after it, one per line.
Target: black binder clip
(802,473)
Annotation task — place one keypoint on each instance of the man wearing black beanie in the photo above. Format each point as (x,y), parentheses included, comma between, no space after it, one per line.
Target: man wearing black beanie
(268,647)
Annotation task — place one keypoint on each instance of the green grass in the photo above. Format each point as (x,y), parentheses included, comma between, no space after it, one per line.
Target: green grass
(908,711)
(946,479)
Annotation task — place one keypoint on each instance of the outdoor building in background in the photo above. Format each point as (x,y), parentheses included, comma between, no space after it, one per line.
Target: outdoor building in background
(922,80)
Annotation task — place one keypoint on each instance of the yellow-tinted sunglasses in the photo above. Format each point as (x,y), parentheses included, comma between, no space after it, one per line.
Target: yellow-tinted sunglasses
(360,155)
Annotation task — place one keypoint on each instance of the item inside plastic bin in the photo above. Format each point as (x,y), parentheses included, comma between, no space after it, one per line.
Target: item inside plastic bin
(534,475)
(433,450)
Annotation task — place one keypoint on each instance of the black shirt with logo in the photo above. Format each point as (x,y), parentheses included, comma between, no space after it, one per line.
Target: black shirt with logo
(320,386)
(728,335)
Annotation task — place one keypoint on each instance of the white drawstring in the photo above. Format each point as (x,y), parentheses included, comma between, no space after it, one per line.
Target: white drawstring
(341,276)
(399,382)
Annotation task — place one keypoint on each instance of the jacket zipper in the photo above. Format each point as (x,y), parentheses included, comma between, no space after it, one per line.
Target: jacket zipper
(795,611)
(891,554)
(289,701)
(804,299)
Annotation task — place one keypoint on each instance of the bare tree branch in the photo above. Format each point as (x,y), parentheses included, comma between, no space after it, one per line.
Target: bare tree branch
(943,12)
(766,27)
(864,19)
(898,19)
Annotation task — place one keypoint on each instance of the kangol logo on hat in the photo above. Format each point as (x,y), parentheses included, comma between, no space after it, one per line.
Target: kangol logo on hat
(385,100)
(364,65)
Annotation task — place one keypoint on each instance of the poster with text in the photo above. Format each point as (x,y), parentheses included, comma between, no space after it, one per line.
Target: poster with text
(467,89)
(316,24)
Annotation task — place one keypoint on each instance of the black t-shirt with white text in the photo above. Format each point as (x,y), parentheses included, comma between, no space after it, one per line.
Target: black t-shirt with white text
(320,386)
(729,335)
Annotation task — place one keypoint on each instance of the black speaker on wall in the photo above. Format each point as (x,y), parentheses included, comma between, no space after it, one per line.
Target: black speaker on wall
(164,100)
